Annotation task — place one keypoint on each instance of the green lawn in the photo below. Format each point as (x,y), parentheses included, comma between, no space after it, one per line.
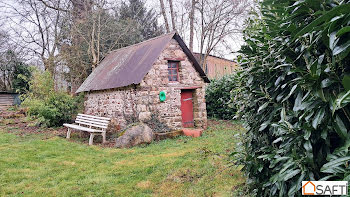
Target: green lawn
(35,165)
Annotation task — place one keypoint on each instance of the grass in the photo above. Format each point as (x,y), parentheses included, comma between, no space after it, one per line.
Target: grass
(31,165)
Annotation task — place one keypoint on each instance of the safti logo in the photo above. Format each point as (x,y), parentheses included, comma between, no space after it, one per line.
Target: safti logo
(324,188)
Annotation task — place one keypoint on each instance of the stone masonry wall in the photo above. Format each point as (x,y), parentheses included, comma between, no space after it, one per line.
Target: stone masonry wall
(139,102)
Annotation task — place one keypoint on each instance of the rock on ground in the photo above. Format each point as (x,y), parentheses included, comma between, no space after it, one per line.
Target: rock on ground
(135,135)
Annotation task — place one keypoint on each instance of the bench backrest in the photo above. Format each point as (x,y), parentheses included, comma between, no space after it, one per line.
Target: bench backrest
(92,121)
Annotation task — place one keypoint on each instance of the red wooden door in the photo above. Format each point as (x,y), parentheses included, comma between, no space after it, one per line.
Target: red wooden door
(187,108)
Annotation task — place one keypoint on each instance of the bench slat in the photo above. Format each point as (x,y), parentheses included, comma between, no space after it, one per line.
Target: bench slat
(95,117)
(73,126)
(89,124)
(91,119)
(92,122)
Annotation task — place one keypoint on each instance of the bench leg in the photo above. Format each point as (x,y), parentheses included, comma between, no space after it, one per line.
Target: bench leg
(103,137)
(92,135)
(68,133)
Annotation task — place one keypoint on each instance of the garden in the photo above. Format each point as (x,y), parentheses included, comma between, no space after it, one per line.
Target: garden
(38,161)
(282,118)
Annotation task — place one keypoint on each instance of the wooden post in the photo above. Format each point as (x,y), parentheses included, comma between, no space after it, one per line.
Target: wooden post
(91,140)
(68,133)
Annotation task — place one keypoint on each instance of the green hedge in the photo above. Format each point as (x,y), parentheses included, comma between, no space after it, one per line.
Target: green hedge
(295,95)
(218,98)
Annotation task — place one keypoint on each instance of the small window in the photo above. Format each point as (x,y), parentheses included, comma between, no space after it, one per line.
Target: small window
(173,70)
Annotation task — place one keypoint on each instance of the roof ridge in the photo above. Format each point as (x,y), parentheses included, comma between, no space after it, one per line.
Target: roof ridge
(157,37)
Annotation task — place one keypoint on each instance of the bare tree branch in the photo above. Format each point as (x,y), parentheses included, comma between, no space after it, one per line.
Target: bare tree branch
(52,7)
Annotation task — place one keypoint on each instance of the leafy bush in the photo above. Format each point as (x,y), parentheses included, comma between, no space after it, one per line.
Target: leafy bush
(49,107)
(295,95)
(15,74)
(218,98)
(22,75)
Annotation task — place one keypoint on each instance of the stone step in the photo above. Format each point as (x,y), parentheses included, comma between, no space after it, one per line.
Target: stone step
(192,132)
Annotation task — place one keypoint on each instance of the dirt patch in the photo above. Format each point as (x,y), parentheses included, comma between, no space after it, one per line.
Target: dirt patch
(144,184)
(224,123)
(185,176)
(22,127)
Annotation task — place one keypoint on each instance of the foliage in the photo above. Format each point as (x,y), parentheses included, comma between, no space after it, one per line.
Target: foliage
(49,107)
(88,38)
(22,75)
(14,72)
(172,167)
(156,125)
(295,95)
(144,21)
(218,97)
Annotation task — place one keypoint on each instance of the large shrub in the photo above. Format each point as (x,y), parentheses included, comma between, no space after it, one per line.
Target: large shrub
(49,107)
(218,97)
(22,75)
(14,73)
(296,94)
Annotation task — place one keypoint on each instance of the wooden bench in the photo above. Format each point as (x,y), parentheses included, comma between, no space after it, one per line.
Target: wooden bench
(93,124)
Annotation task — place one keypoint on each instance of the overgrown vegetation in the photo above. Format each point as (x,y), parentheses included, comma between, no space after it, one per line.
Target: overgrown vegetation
(14,73)
(49,107)
(99,29)
(296,94)
(156,125)
(218,97)
(22,74)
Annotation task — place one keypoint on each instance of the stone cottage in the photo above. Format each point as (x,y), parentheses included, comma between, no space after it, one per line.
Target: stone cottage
(155,79)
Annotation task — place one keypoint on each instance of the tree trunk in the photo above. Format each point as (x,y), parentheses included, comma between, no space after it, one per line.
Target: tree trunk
(164,15)
(201,48)
(172,14)
(92,46)
(191,24)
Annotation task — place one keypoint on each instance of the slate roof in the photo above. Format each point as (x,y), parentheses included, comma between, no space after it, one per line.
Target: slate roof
(129,65)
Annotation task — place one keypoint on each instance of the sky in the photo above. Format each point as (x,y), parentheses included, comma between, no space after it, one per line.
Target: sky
(235,41)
